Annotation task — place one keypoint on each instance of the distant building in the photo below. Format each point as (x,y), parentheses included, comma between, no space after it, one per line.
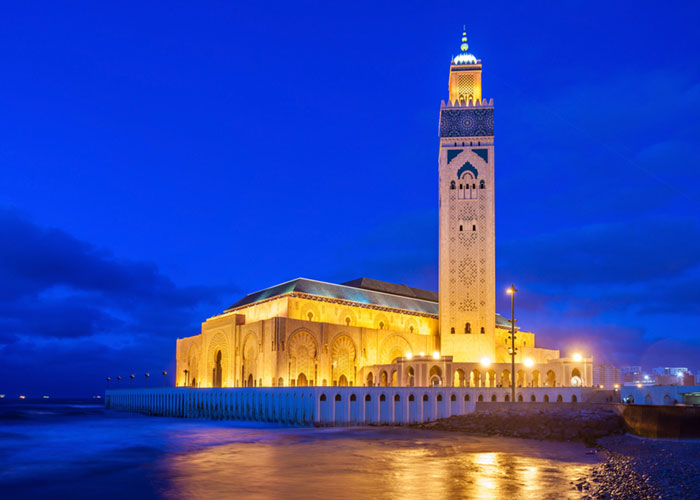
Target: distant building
(631,374)
(605,375)
(665,370)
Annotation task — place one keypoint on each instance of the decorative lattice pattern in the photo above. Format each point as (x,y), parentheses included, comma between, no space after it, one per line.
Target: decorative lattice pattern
(466,122)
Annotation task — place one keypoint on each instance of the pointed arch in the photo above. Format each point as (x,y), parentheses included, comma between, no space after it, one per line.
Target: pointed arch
(343,357)
(218,344)
(394,346)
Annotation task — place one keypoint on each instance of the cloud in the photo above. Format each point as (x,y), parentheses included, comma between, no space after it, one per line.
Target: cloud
(616,253)
(64,301)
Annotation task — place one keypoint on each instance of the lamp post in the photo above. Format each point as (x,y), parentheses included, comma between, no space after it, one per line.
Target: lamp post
(147,375)
(108,379)
(164,374)
(132,376)
(119,379)
(511,291)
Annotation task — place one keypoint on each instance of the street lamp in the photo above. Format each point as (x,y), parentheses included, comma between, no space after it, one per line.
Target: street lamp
(164,374)
(108,379)
(147,375)
(511,291)
(132,379)
(119,379)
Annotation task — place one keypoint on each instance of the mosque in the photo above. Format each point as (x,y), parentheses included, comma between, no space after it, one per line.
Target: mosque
(373,333)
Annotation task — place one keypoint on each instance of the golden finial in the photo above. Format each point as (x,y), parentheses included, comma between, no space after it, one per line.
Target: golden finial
(465,46)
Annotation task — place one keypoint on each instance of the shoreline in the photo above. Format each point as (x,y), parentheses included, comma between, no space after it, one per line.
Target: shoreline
(631,467)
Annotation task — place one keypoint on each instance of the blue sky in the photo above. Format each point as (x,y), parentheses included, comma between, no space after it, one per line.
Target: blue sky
(158,161)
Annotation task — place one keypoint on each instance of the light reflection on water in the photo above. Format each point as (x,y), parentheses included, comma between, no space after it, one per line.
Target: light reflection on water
(58,452)
(380,464)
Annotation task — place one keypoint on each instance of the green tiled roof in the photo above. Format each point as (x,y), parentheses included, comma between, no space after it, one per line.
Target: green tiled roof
(361,290)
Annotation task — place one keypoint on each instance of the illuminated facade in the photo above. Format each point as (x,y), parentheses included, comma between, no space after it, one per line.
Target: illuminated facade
(368,332)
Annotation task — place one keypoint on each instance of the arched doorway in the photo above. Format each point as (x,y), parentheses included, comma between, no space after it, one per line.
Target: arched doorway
(410,377)
(520,379)
(474,378)
(343,381)
(250,380)
(217,371)
(435,376)
(505,378)
(384,379)
(491,378)
(535,377)
(301,380)
(459,378)
(370,379)
(551,379)
(576,379)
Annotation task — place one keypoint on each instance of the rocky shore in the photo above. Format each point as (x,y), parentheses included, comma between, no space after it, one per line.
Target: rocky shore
(632,468)
(642,469)
(565,423)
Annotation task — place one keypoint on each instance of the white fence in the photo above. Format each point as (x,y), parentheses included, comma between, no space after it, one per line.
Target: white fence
(322,406)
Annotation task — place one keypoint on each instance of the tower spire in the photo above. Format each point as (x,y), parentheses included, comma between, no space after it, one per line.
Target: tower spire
(464,46)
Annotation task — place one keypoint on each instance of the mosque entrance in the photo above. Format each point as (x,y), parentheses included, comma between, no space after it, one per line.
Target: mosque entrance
(301,380)
(218,370)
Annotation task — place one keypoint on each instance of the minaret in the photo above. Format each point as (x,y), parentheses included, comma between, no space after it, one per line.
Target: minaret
(467,230)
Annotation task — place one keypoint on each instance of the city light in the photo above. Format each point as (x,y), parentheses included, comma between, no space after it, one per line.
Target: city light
(616,386)
(436,355)
(639,386)
(509,291)
(577,358)
(529,362)
(409,355)
(485,361)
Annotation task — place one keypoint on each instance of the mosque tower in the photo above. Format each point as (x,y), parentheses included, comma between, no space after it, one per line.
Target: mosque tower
(467,219)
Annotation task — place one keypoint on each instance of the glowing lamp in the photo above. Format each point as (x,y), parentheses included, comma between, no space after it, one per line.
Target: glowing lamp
(577,358)
(529,362)
(485,361)
(422,354)
(409,355)
(639,386)
(436,355)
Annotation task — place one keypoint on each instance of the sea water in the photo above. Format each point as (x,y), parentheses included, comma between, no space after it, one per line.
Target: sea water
(77,450)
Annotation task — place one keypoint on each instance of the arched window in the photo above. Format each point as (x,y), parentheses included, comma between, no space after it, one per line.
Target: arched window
(483,330)
(482,184)
(460,227)
(452,330)
(452,185)
(468,328)
(473,227)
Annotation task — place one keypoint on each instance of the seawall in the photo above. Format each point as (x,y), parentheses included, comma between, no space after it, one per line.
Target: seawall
(320,406)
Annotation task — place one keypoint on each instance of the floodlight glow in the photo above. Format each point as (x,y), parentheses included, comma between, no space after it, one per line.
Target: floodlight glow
(529,362)
(409,355)
(436,355)
(577,358)
(422,354)
(485,361)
